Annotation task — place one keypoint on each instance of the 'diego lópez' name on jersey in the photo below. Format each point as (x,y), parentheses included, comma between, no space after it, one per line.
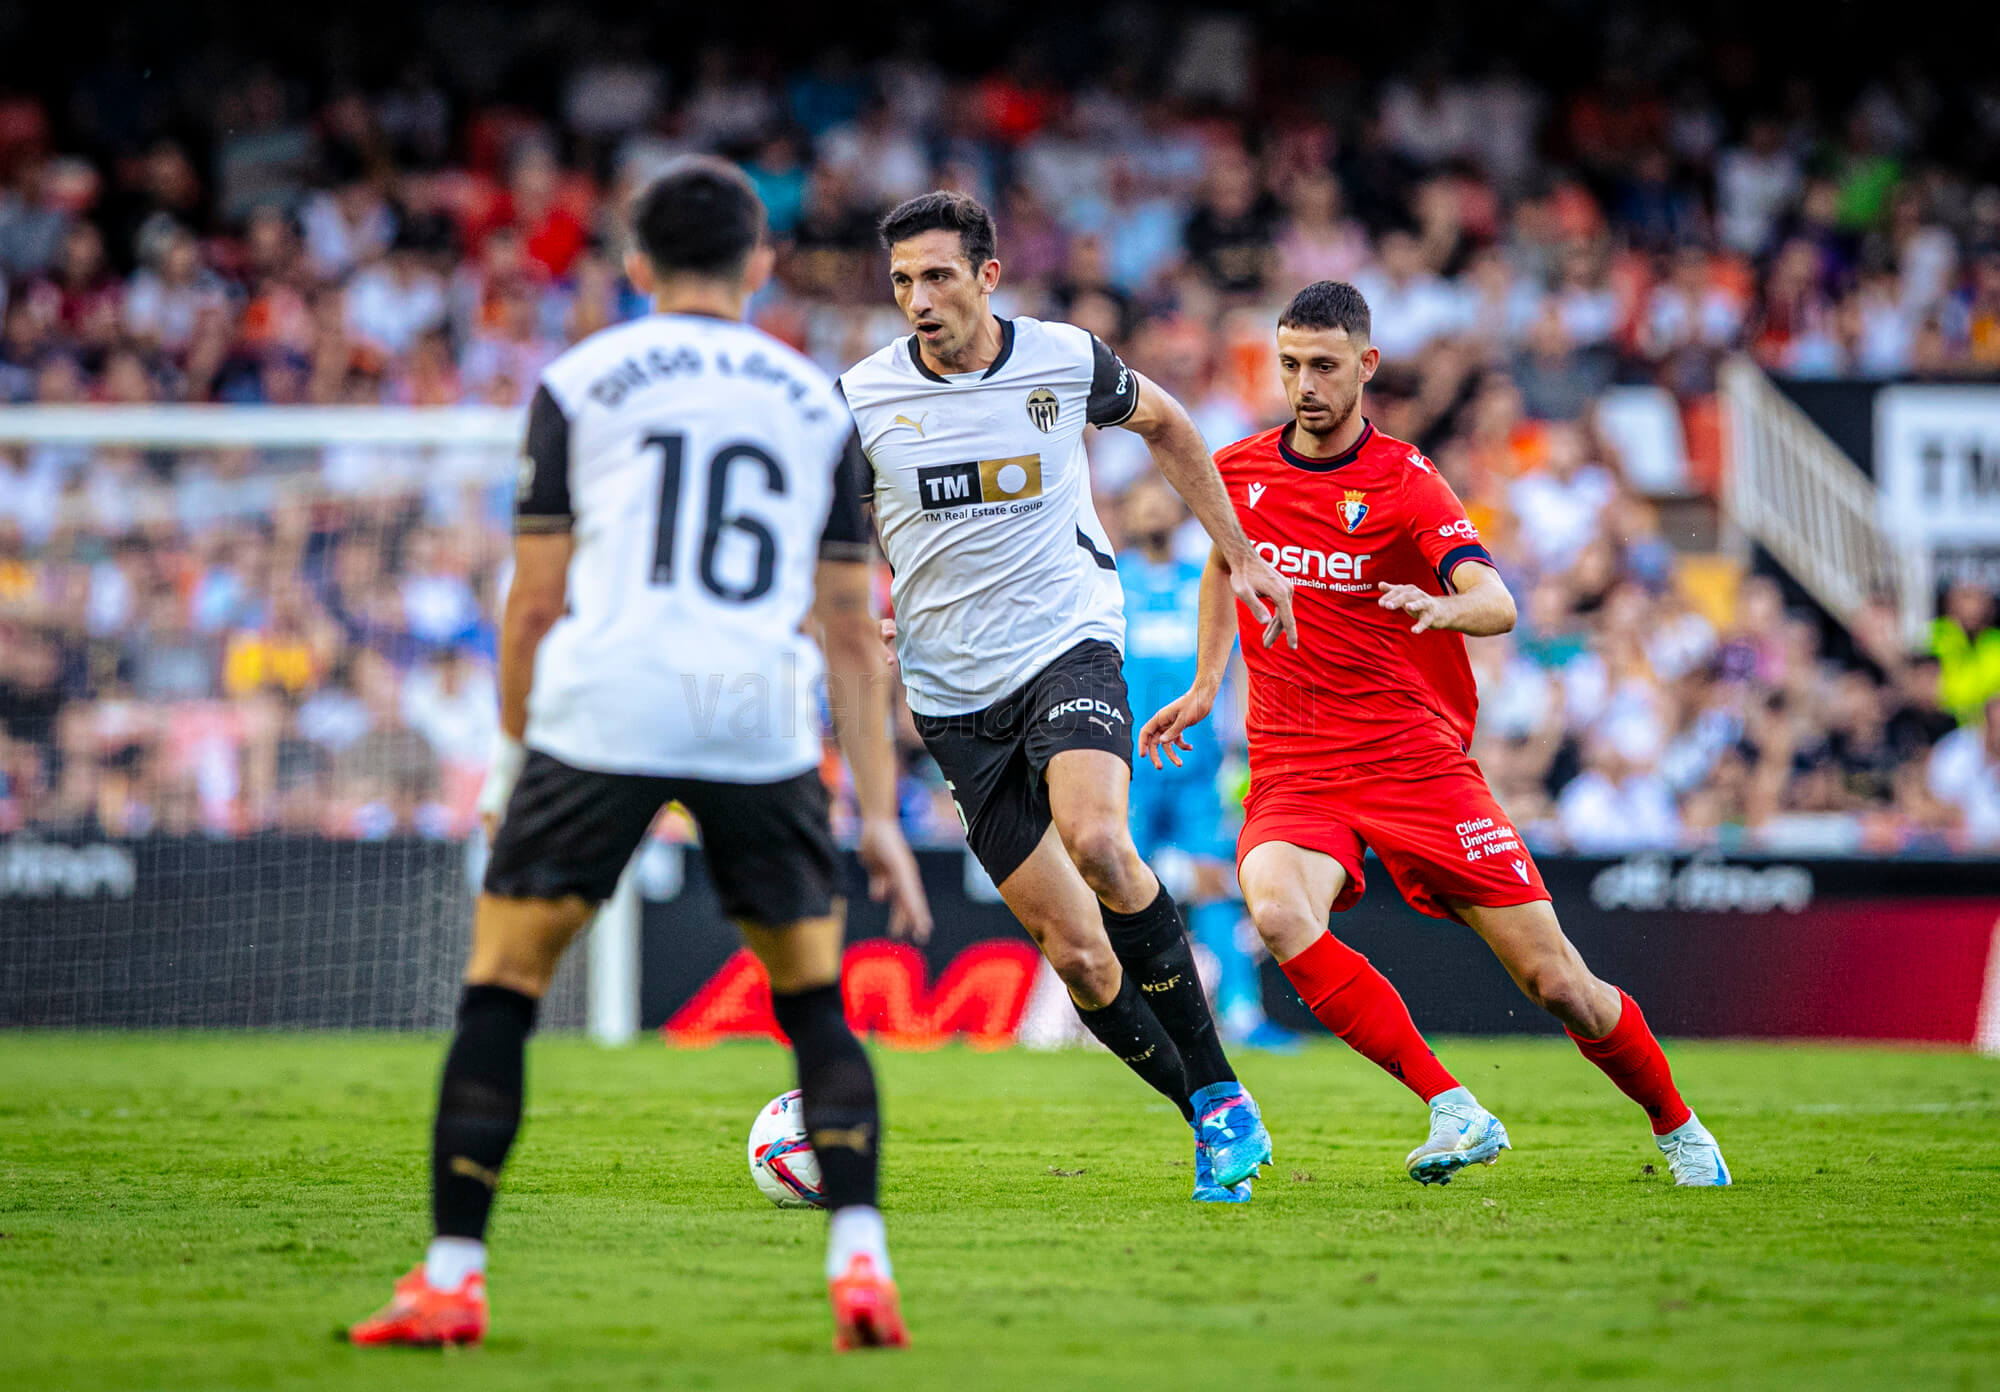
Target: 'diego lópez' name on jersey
(662,364)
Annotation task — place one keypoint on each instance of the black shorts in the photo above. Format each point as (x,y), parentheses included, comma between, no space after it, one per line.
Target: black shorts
(993,759)
(571,831)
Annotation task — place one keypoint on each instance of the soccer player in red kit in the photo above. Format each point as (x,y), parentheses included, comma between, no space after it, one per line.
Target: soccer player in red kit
(1358,738)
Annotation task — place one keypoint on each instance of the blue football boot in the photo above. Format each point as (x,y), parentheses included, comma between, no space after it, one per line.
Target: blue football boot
(1229,1127)
(1206,1190)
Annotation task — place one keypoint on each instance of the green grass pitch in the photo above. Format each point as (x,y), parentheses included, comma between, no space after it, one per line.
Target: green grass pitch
(204,1211)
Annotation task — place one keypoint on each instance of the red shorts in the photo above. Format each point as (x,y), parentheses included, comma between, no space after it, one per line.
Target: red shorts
(1431,820)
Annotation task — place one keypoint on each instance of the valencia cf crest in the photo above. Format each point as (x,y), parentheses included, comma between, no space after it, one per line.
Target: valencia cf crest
(1353,508)
(1043,408)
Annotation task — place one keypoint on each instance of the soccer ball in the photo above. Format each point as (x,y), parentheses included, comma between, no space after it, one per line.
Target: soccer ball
(781,1158)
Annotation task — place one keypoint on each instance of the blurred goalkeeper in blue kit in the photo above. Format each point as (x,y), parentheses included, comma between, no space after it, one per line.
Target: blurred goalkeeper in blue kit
(1179,823)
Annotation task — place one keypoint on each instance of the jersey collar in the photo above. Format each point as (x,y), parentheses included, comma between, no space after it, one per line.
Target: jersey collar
(1325,466)
(1006,352)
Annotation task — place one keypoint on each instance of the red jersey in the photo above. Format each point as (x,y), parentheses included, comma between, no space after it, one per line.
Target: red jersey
(1360,687)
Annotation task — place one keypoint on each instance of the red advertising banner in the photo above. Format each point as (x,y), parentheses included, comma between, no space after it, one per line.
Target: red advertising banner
(1886,950)
(979,998)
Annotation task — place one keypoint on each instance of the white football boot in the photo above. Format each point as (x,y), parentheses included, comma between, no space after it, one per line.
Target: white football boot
(1462,1133)
(1693,1155)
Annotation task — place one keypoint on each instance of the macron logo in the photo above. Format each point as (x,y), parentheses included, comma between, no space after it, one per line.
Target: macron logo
(1256,492)
(1521,869)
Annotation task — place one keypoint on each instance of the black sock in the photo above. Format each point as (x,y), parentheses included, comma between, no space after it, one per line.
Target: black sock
(843,1119)
(1153,946)
(1134,1033)
(479,1107)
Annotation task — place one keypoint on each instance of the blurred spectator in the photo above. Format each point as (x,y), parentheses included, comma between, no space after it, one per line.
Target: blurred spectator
(1562,501)
(1558,379)
(346,226)
(1429,121)
(173,295)
(1317,241)
(1754,182)
(1410,304)
(1967,647)
(1965,773)
(551,232)
(1974,312)
(1614,807)
(31,227)
(1230,235)
(395,300)
(780,179)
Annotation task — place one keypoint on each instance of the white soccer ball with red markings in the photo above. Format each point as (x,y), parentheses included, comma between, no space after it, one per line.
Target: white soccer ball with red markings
(781,1158)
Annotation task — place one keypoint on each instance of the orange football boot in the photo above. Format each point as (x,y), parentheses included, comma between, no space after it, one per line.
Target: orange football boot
(866,1312)
(423,1316)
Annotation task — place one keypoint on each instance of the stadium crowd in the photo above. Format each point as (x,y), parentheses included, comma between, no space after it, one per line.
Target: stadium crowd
(221,641)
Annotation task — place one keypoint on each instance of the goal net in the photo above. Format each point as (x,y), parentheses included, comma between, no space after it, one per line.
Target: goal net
(246,696)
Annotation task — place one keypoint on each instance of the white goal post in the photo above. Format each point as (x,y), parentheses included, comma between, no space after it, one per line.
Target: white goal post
(289,975)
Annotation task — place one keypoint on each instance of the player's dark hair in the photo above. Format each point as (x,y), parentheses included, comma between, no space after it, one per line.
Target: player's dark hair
(1329,304)
(943,211)
(699,216)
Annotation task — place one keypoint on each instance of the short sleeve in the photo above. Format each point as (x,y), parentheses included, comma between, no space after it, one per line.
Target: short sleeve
(541,499)
(1114,391)
(846,535)
(1443,532)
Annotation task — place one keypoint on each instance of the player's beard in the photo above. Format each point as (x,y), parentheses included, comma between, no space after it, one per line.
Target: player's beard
(1342,409)
(1340,412)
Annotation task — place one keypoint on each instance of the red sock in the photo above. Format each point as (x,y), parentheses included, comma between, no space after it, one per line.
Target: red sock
(1631,1058)
(1357,1003)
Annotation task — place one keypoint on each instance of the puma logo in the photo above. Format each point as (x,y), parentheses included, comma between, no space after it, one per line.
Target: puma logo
(916,425)
(844,1137)
(1100,720)
(472,1169)
(1154,988)
(1256,492)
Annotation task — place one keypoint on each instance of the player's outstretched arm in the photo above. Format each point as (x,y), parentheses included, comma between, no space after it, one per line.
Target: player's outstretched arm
(858,687)
(1482,606)
(1213,641)
(1164,424)
(535,601)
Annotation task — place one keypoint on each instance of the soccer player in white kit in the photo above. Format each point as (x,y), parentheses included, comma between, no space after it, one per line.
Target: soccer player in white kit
(1010,629)
(691,495)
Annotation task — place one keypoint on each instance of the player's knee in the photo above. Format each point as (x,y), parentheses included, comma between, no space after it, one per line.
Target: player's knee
(1285,928)
(1102,853)
(527,980)
(1561,988)
(1089,969)
(511,966)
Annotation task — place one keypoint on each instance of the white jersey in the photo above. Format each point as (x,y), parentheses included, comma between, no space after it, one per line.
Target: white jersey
(982,498)
(703,468)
